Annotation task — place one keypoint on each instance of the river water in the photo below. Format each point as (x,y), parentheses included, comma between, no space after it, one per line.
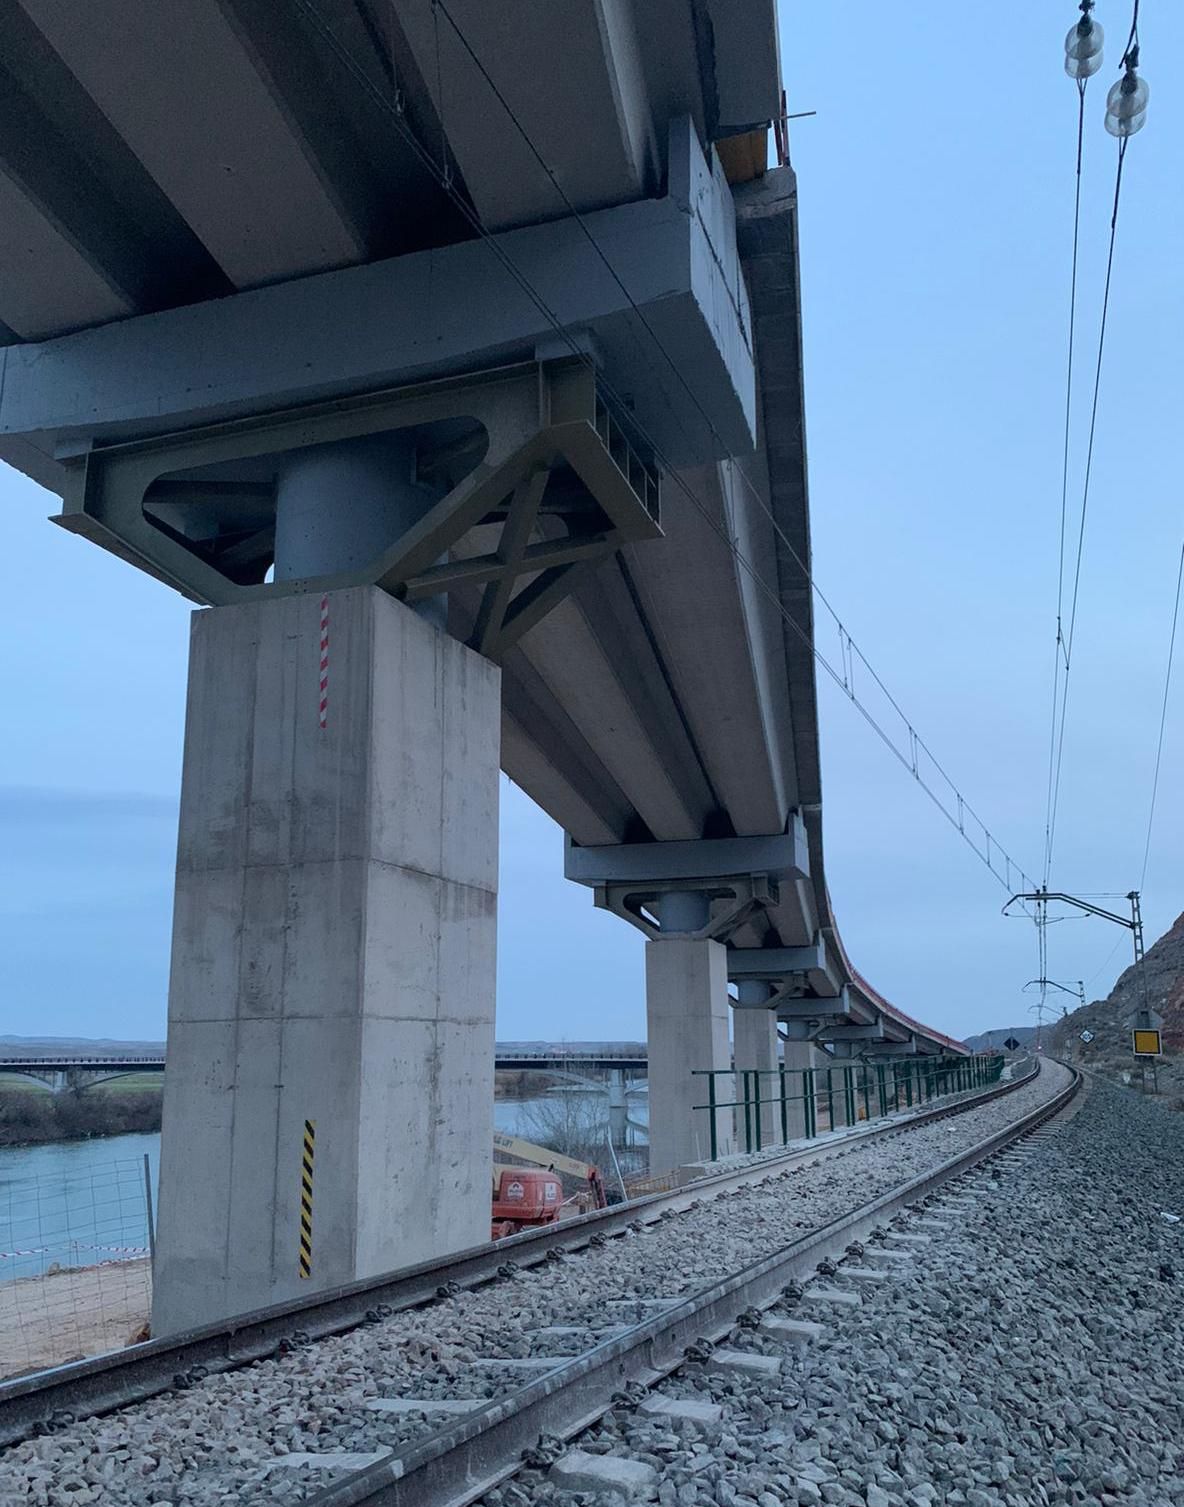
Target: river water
(74,1203)
(79,1203)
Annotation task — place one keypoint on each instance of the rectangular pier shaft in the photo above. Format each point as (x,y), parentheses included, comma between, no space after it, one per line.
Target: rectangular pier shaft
(334,949)
(686,981)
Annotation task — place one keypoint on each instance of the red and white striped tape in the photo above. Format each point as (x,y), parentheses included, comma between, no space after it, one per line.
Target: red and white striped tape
(323,705)
(75,1246)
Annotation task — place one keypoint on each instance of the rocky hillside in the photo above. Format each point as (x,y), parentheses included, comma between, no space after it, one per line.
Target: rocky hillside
(992,1041)
(1110,1050)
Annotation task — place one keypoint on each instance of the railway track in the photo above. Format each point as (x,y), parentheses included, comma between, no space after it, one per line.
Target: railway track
(441,1438)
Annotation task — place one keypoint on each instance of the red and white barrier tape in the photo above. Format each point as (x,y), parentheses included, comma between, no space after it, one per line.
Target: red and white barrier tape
(323,705)
(75,1246)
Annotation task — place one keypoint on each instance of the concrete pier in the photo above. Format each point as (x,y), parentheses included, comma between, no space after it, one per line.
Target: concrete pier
(334,952)
(618,1107)
(686,982)
(797,1056)
(755,1049)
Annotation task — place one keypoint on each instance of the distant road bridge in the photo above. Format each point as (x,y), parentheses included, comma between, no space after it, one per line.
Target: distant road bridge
(61,1070)
(510,1056)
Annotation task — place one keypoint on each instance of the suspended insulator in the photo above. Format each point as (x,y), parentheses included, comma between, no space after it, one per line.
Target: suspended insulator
(1083,45)
(1126,104)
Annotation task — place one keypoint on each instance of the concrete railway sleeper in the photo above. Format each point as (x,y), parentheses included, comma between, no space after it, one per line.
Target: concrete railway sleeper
(419,1462)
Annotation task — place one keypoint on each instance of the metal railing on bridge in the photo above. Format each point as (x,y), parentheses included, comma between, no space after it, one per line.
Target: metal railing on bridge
(808,1101)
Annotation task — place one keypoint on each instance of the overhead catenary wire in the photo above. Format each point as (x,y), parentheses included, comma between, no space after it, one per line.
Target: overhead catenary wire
(1089,456)
(1163,717)
(1126,106)
(1066,641)
(1097,973)
(1059,648)
(992,853)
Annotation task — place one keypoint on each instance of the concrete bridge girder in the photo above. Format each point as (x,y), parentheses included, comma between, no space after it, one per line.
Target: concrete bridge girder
(615,66)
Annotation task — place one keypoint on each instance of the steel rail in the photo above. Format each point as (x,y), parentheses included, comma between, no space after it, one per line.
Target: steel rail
(459,1463)
(105,1383)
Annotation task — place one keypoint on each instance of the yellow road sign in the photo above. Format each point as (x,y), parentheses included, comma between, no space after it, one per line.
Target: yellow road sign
(1146,1044)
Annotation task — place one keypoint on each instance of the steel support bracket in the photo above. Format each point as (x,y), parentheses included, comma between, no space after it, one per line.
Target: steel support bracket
(739,875)
(792,972)
(539,480)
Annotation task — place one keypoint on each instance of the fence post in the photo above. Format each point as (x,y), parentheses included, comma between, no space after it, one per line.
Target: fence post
(711,1113)
(830,1102)
(148,1212)
(849,1096)
(882,1087)
(811,1109)
(784,1107)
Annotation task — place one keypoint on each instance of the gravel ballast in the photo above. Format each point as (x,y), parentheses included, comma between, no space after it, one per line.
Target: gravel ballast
(1029,1351)
(222,1440)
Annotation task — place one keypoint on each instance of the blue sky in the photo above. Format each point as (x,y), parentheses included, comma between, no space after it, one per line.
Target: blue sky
(936,203)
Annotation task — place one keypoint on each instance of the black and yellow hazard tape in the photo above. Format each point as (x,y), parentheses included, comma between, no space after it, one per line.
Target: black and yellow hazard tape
(310,1138)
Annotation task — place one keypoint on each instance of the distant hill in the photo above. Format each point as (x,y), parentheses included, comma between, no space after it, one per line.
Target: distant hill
(1110,1050)
(990,1041)
(80,1046)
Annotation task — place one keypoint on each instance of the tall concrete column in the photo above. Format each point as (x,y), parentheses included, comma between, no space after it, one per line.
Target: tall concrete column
(618,1107)
(755,1049)
(686,981)
(797,1057)
(334,951)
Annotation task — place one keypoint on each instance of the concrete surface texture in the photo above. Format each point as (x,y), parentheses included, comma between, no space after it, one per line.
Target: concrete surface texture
(333,953)
(755,1049)
(797,1057)
(686,985)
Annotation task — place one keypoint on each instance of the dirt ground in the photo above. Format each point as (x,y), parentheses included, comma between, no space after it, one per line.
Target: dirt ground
(45,1321)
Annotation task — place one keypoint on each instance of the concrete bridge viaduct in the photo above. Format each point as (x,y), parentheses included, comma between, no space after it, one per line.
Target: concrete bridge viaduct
(447,356)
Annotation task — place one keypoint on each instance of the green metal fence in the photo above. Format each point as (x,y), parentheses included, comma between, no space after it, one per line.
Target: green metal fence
(804,1102)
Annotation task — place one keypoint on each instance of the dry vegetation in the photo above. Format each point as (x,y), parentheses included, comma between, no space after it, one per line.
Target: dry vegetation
(29,1116)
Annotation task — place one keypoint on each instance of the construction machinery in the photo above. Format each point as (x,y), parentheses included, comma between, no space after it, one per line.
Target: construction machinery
(527,1197)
